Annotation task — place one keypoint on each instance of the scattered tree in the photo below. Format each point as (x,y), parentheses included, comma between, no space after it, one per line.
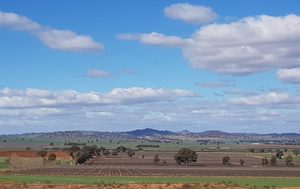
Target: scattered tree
(83,158)
(114,153)
(130,153)
(289,160)
(252,150)
(42,153)
(106,152)
(273,161)
(279,154)
(242,162)
(28,148)
(156,159)
(296,152)
(186,156)
(265,162)
(121,149)
(52,157)
(226,161)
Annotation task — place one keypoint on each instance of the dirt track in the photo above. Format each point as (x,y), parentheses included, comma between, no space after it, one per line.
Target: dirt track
(31,154)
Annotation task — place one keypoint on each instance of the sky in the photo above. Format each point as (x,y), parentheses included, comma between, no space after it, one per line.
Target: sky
(170,65)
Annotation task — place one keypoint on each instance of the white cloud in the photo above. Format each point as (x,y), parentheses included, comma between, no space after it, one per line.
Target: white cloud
(64,40)
(247,46)
(289,75)
(98,74)
(215,84)
(251,45)
(41,98)
(271,98)
(154,39)
(194,14)
(34,110)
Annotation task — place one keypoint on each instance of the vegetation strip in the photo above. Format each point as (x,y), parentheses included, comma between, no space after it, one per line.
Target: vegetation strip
(251,181)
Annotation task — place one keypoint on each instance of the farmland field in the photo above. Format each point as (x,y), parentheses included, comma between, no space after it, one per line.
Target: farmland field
(140,169)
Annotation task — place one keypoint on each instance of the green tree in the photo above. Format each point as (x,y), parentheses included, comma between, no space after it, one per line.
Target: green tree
(186,156)
(226,161)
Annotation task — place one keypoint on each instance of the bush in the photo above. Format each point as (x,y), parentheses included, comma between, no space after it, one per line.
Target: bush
(52,157)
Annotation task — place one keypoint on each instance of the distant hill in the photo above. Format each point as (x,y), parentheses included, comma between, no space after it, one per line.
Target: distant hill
(148,132)
(156,133)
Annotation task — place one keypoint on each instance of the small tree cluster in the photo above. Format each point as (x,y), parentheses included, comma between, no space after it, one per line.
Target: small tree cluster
(186,156)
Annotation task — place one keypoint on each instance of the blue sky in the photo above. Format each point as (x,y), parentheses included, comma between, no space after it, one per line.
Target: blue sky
(122,65)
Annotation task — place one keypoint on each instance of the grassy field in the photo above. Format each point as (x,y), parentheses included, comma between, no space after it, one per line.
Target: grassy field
(251,181)
(3,163)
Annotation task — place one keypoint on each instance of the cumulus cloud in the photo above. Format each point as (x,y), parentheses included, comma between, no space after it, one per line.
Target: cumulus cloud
(41,98)
(289,75)
(64,40)
(194,14)
(154,39)
(98,74)
(247,46)
(34,110)
(251,45)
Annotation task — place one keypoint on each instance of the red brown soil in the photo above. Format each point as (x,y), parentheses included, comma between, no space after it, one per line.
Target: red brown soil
(31,154)
(127,186)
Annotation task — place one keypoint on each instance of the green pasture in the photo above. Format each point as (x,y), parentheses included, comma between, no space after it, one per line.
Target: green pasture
(251,181)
